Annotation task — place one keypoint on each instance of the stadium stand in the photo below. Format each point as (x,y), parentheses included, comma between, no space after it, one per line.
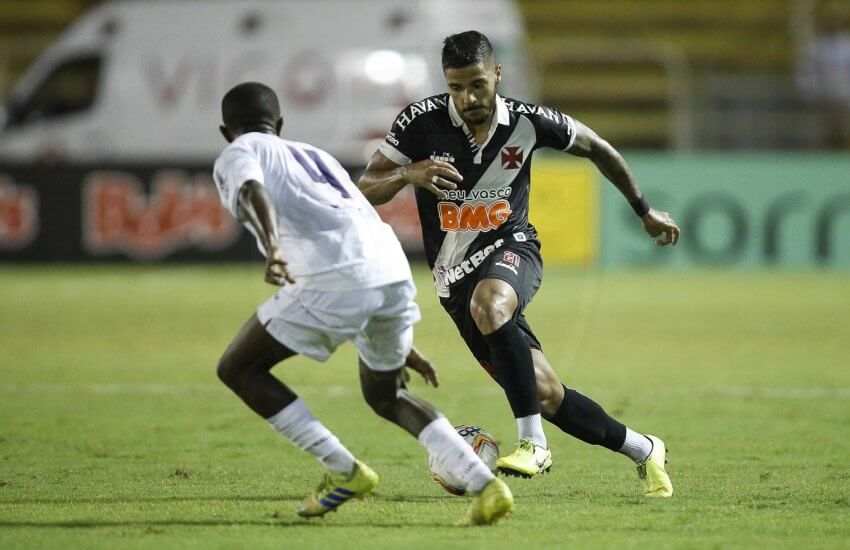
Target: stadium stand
(629,87)
(646,74)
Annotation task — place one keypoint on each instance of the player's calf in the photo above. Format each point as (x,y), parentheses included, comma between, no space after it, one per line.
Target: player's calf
(386,394)
(244,368)
(586,420)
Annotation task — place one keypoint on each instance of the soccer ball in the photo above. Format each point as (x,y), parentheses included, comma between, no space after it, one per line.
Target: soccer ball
(482,443)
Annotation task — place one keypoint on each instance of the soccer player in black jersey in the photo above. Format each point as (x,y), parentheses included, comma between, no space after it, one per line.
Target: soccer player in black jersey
(468,155)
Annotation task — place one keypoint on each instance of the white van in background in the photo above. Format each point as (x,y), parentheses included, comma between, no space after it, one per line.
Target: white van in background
(142,81)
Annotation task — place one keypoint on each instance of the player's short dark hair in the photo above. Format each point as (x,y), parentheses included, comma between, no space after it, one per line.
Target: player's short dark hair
(466,48)
(249,104)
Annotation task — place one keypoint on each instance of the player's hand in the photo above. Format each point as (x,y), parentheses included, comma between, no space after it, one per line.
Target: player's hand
(276,272)
(433,175)
(655,223)
(418,362)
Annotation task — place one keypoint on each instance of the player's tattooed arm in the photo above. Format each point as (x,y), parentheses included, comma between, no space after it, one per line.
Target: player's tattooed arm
(608,160)
(383,178)
(256,207)
(613,166)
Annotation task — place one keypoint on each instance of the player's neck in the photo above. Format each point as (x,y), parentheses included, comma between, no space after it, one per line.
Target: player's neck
(480,131)
(259,129)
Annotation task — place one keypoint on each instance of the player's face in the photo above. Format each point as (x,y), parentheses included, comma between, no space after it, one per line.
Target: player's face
(473,89)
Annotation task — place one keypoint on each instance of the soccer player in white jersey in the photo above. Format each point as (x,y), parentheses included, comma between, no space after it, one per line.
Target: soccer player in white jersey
(344,277)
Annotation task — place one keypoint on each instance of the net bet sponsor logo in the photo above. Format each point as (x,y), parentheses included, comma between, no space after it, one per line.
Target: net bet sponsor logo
(180,212)
(19,222)
(447,276)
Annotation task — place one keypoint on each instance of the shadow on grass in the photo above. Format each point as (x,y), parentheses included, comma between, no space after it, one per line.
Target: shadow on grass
(202,498)
(101,524)
(151,500)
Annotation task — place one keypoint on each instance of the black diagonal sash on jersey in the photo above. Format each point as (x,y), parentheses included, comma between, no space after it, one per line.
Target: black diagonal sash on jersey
(456,245)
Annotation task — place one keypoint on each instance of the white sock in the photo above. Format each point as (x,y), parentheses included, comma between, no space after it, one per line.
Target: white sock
(448,449)
(637,446)
(296,423)
(531,426)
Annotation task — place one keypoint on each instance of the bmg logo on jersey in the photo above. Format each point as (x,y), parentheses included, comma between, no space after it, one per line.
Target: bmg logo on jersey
(473,216)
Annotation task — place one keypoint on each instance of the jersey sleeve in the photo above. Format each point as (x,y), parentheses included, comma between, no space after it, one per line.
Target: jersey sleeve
(554,129)
(234,167)
(403,141)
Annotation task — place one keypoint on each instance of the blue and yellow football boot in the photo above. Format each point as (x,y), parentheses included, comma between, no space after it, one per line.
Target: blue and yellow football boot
(336,489)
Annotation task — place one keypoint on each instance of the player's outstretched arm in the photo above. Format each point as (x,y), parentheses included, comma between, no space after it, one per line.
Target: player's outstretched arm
(612,165)
(383,178)
(256,207)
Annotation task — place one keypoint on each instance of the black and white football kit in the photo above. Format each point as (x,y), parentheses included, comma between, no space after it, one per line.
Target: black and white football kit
(481,230)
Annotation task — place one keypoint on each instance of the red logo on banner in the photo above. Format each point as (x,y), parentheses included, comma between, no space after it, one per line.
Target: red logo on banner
(18,215)
(511,157)
(180,212)
(403,216)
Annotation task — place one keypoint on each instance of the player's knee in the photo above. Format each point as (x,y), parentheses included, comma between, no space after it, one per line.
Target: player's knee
(550,402)
(550,392)
(490,309)
(383,405)
(380,397)
(227,372)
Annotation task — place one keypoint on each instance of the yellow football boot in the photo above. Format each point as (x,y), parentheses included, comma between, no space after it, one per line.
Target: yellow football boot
(493,503)
(653,473)
(336,489)
(527,460)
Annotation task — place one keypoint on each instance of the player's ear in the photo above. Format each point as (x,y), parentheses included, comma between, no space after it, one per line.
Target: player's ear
(278,126)
(225,133)
(498,72)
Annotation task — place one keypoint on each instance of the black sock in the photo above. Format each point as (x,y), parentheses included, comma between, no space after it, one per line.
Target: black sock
(510,357)
(583,418)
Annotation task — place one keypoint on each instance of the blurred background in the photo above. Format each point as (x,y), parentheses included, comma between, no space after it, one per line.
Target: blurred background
(734,114)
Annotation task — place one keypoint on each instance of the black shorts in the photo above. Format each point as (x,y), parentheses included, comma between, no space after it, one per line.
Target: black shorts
(517,263)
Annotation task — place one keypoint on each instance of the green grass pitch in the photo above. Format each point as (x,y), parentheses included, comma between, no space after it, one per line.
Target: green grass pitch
(115,431)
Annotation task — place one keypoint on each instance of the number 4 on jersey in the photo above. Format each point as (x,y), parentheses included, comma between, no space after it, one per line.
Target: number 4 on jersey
(324,175)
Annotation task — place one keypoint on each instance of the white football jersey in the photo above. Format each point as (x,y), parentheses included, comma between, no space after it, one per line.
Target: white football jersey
(330,235)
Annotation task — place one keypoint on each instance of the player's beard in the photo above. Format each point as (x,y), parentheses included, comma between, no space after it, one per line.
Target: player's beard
(474,118)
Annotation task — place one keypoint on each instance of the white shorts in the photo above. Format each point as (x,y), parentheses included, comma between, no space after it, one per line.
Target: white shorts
(315,322)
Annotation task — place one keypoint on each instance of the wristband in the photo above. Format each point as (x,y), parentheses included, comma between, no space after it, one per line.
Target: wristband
(640,206)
